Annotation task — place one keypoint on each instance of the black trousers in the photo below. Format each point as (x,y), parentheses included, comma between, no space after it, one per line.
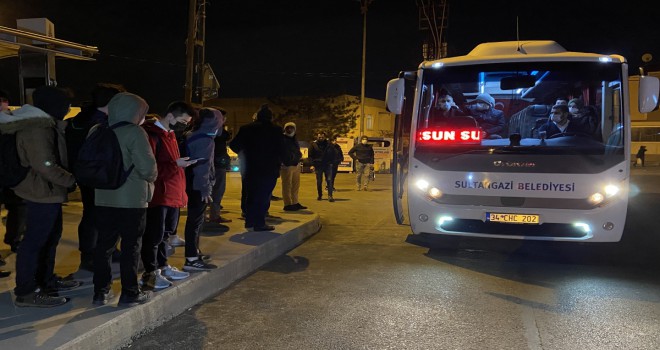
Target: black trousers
(35,258)
(87,232)
(113,224)
(194,222)
(16,217)
(258,189)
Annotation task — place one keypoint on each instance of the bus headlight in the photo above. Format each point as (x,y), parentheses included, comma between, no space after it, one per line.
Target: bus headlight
(422,184)
(608,192)
(611,190)
(435,193)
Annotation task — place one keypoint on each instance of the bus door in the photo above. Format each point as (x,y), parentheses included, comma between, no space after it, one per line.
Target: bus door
(400,102)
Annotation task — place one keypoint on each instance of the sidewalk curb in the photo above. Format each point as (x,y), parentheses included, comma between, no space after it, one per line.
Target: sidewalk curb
(120,330)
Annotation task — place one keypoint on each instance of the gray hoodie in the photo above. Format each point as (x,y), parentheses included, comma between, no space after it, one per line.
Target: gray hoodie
(138,189)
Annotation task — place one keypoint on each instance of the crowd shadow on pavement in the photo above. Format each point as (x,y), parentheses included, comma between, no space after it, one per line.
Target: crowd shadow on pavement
(287,264)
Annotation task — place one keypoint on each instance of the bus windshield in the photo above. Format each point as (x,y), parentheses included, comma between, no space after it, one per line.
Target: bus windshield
(514,109)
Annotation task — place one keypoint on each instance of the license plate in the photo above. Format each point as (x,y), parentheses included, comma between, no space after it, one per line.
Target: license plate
(513,218)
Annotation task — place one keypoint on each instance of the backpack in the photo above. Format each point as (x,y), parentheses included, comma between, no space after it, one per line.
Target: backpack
(100,163)
(11,170)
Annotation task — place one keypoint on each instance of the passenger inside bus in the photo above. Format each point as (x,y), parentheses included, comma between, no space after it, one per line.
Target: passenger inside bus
(585,116)
(559,124)
(491,120)
(447,113)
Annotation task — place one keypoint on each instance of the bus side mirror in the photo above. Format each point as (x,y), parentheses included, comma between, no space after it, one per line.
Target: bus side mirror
(649,88)
(394,95)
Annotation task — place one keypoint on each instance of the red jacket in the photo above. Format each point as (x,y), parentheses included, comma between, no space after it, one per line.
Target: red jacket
(170,186)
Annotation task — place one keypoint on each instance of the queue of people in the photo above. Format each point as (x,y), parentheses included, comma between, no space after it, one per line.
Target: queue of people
(177,160)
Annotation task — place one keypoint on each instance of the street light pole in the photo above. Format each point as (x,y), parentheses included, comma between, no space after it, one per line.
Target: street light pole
(364,4)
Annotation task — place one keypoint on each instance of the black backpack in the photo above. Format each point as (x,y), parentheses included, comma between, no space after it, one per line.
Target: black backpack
(100,163)
(11,170)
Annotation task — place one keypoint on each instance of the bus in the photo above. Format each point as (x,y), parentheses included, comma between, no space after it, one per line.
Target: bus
(452,178)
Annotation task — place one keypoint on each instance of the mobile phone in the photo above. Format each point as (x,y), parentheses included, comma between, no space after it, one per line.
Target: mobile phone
(196,159)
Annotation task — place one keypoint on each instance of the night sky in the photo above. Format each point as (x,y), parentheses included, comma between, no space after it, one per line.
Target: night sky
(294,47)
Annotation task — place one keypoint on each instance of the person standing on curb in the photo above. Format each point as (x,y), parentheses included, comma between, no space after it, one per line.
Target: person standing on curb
(222,162)
(363,155)
(290,170)
(39,130)
(122,213)
(76,132)
(200,177)
(15,205)
(260,146)
(169,195)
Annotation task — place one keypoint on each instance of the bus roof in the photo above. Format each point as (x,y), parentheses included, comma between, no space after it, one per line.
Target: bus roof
(507,51)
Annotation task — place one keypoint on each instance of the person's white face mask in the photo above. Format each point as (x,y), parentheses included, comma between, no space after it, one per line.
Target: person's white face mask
(573,110)
(364,142)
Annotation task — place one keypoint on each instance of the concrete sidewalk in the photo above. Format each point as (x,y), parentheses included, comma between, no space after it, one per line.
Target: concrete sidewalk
(81,325)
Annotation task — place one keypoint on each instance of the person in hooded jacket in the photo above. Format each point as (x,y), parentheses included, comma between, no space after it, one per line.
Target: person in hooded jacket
(169,195)
(15,205)
(77,130)
(491,120)
(121,213)
(200,177)
(290,170)
(260,146)
(39,130)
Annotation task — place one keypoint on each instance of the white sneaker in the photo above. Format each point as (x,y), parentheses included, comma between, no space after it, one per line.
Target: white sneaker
(172,273)
(175,241)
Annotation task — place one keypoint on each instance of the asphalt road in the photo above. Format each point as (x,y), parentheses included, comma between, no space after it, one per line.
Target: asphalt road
(363,282)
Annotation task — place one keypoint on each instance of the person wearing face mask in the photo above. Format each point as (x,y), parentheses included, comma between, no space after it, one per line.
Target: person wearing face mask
(490,120)
(290,169)
(559,122)
(169,195)
(584,116)
(363,155)
(447,113)
(75,134)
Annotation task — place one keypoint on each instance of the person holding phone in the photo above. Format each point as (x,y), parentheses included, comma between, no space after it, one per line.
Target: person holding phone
(169,195)
(200,177)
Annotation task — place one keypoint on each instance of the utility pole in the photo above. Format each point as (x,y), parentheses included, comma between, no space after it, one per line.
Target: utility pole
(195,53)
(364,5)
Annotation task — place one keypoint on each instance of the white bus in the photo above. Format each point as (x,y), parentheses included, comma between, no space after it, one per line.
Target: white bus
(451,178)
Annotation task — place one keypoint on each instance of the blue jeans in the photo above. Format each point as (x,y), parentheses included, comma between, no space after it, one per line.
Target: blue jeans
(322,170)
